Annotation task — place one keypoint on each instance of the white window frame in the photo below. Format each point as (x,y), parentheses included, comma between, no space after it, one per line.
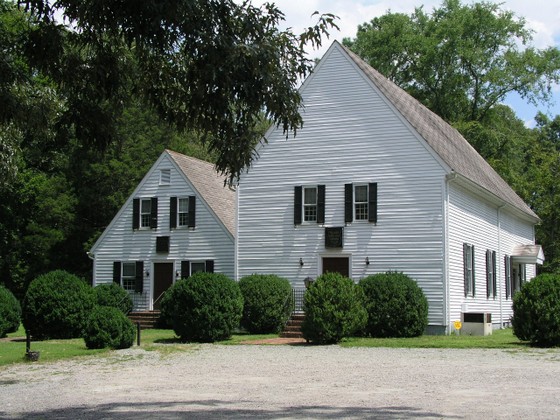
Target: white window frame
(145,217)
(165,177)
(128,280)
(361,217)
(182,223)
(310,216)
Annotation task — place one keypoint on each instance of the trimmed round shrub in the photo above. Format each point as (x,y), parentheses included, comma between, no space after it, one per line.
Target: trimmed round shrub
(536,311)
(108,327)
(10,312)
(267,303)
(205,308)
(57,305)
(396,305)
(111,294)
(334,309)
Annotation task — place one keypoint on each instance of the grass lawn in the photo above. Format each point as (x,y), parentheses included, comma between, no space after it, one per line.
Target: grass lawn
(165,341)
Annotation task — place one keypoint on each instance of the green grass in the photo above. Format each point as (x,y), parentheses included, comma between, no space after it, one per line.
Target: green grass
(165,342)
(500,339)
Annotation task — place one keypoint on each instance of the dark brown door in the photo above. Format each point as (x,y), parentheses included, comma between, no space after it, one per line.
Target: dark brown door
(163,279)
(337,265)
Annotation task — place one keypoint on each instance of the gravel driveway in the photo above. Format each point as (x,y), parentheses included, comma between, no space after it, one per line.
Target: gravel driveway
(216,381)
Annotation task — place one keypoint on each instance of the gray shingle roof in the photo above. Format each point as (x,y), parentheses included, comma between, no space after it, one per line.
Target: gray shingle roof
(444,140)
(210,187)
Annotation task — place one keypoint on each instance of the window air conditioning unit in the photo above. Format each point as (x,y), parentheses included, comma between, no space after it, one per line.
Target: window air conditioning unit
(476,323)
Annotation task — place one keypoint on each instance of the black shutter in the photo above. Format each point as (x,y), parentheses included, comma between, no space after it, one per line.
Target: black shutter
(117,272)
(348,203)
(192,211)
(488,275)
(209,266)
(136,213)
(185,269)
(297,205)
(465,269)
(154,213)
(372,202)
(172,212)
(321,204)
(473,270)
(507,270)
(139,281)
(494,280)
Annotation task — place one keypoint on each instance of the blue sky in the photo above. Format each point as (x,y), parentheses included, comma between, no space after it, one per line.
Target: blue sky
(542,16)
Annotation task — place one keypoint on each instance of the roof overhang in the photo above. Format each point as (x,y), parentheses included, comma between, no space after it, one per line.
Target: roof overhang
(528,254)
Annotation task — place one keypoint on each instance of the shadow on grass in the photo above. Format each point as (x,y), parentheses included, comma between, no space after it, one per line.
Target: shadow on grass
(203,409)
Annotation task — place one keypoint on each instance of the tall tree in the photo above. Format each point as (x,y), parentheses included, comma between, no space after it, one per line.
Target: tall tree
(213,66)
(460,60)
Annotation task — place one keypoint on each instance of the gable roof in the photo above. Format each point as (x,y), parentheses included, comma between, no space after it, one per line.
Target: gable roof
(444,140)
(210,187)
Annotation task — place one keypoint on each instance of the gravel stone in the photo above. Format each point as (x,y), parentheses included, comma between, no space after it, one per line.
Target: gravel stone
(299,381)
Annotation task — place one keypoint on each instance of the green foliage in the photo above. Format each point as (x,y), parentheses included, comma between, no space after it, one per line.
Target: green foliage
(395,304)
(174,58)
(267,303)
(57,305)
(206,307)
(10,312)
(460,60)
(536,311)
(114,296)
(334,309)
(108,327)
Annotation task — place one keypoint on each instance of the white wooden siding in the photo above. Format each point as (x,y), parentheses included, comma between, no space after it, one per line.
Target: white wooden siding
(208,241)
(350,135)
(475,221)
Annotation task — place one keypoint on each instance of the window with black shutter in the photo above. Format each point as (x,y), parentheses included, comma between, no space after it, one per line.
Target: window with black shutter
(209,266)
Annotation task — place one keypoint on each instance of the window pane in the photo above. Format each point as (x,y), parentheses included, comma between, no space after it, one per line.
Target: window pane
(183,205)
(361,194)
(362,211)
(310,196)
(310,213)
(198,267)
(129,269)
(146,206)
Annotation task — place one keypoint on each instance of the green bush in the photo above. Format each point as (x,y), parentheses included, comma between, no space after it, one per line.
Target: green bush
(395,304)
(10,312)
(108,327)
(57,305)
(536,311)
(206,307)
(267,303)
(111,294)
(334,309)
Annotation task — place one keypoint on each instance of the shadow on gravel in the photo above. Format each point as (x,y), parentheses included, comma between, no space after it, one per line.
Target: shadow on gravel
(218,409)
